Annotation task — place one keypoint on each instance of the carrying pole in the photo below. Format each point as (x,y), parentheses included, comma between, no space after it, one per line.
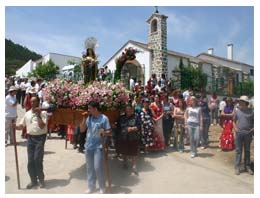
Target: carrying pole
(16,157)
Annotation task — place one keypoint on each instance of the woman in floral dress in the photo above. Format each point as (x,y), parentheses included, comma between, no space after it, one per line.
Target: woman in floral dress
(147,126)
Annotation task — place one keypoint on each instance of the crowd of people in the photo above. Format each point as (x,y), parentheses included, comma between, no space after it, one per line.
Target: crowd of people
(156,117)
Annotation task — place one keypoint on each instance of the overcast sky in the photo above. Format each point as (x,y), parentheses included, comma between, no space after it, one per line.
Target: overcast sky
(191,30)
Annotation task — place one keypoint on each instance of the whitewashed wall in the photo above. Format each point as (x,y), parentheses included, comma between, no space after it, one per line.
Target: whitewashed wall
(24,70)
(174,62)
(232,65)
(60,60)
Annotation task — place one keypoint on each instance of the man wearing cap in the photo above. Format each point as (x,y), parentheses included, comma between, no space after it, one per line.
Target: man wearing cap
(244,128)
(10,113)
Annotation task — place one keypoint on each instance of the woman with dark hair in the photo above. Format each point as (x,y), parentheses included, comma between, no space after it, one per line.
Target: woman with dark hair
(157,110)
(204,135)
(179,124)
(227,136)
(167,119)
(127,143)
(147,126)
(89,64)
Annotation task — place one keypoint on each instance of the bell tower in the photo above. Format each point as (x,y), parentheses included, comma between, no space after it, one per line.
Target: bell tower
(157,43)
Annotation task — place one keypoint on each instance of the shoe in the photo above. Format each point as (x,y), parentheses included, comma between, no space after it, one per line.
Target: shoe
(80,151)
(42,184)
(237,171)
(135,171)
(250,172)
(89,191)
(31,185)
(102,191)
(75,147)
(193,155)
(181,151)
(202,148)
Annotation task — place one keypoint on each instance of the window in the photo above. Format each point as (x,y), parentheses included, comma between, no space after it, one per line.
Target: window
(251,72)
(154,26)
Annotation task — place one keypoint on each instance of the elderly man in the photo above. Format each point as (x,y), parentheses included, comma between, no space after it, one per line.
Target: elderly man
(10,113)
(35,122)
(244,128)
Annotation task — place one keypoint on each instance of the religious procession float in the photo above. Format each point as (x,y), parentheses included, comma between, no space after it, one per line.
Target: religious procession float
(71,98)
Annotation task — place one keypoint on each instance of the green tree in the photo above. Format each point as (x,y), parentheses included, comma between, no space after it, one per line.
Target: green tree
(245,88)
(16,56)
(193,77)
(45,71)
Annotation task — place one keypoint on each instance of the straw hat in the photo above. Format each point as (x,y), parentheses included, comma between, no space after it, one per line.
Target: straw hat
(244,99)
(32,91)
(12,88)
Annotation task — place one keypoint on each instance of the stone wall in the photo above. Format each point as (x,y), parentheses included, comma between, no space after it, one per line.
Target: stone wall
(158,45)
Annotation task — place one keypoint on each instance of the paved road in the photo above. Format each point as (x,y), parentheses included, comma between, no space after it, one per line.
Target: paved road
(160,172)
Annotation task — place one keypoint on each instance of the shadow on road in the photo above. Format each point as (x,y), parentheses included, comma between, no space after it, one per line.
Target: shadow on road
(79,173)
(205,155)
(53,183)
(120,190)
(7,178)
(49,152)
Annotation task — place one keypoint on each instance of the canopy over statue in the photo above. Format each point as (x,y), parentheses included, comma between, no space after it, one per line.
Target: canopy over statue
(89,60)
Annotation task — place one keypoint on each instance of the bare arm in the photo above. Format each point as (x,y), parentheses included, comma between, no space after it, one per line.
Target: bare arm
(201,120)
(186,117)
(82,125)
(18,127)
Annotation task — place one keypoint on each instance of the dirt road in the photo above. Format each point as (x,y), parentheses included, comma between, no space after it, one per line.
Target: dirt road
(160,172)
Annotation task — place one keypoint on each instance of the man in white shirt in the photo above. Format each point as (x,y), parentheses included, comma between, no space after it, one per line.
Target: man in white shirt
(24,85)
(35,121)
(10,113)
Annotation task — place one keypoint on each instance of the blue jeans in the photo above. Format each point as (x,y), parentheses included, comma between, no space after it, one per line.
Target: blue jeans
(243,139)
(35,150)
(95,168)
(194,133)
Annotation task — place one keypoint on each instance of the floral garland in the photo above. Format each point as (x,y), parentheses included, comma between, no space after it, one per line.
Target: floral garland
(127,54)
(66,94)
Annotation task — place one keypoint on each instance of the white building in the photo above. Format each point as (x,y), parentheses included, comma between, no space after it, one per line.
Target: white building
(155,58)
(60,60)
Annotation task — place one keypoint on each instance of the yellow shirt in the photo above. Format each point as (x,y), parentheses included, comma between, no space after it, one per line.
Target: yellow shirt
(30,120)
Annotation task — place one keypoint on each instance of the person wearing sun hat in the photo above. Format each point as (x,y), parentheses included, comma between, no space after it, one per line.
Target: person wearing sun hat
(244,129)
(10,113)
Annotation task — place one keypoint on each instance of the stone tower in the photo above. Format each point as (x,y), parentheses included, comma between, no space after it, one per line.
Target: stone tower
(157,43)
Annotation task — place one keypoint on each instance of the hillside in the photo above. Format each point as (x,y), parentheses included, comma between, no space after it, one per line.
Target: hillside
(16,56)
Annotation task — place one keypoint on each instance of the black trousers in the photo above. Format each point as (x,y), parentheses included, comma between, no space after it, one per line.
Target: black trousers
(35,151)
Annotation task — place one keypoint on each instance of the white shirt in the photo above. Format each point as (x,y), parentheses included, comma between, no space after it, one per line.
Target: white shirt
(30,120)
(186,94)
(158,88)
(132,84)
(37,87)
(222,105)
(23,86)
(10,110)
